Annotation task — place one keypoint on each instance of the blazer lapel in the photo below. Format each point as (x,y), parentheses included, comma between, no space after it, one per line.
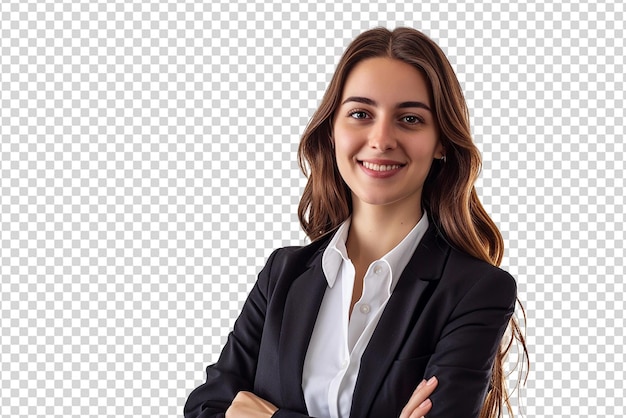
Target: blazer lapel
(301,307)
(399,315)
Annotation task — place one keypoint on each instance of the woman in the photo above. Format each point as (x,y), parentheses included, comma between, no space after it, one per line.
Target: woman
(396,308)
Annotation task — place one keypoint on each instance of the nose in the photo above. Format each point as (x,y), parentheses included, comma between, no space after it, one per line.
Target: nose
(382,135)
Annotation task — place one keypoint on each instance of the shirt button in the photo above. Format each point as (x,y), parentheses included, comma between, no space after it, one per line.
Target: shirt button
(378,269)
(344,365)
(365,309)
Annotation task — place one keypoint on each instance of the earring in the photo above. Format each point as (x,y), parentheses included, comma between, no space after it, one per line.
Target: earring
(443,159)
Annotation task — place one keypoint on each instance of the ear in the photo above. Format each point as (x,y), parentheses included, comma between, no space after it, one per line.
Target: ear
(440,152)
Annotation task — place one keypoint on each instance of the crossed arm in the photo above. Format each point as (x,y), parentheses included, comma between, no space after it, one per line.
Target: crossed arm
(248,405)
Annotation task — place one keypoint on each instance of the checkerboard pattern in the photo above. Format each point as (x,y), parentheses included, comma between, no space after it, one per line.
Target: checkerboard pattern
(148,168)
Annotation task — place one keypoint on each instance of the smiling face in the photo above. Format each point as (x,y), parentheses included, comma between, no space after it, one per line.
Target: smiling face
(384,133)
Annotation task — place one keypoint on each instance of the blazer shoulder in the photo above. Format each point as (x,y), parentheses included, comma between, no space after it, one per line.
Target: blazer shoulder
(472,263)
(291,261)
(301,254)
(472,271)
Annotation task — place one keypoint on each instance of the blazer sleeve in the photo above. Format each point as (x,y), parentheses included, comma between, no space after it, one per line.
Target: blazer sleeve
(468,345)
(236,366)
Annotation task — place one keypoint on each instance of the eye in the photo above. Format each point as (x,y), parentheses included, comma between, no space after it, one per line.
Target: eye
(358,114)
(412,119)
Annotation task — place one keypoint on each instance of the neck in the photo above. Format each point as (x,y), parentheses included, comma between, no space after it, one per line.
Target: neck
(376,230)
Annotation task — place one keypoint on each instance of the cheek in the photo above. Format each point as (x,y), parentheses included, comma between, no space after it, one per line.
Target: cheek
(424,145)
(422,151)
(346,143)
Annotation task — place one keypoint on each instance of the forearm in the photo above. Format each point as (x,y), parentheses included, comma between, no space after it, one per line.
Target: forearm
(466,352)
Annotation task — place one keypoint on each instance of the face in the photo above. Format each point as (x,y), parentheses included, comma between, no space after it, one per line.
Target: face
(384,133)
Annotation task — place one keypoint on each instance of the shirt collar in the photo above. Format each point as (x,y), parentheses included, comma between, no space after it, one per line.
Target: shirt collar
(335,253)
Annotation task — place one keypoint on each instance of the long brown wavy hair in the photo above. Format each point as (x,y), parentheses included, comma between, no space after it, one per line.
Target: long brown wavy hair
(448,195)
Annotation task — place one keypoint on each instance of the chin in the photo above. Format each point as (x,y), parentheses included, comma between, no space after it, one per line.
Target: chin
(378,200)
(386,199)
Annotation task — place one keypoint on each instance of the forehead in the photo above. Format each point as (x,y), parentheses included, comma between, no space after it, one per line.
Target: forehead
(386,80)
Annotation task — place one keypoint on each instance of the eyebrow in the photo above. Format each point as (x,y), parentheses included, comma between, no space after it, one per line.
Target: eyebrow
(371,102)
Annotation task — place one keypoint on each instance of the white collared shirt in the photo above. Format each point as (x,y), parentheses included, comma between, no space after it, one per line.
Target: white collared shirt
(338,341)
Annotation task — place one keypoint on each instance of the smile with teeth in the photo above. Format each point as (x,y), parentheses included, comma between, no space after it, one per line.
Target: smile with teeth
(380,167)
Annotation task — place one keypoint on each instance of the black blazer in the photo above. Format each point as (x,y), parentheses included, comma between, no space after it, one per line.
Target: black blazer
(446,318)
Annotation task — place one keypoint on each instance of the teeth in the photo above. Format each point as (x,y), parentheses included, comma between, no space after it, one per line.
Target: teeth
(379,167)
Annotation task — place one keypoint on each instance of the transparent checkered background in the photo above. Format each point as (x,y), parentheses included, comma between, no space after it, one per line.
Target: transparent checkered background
(148,168)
